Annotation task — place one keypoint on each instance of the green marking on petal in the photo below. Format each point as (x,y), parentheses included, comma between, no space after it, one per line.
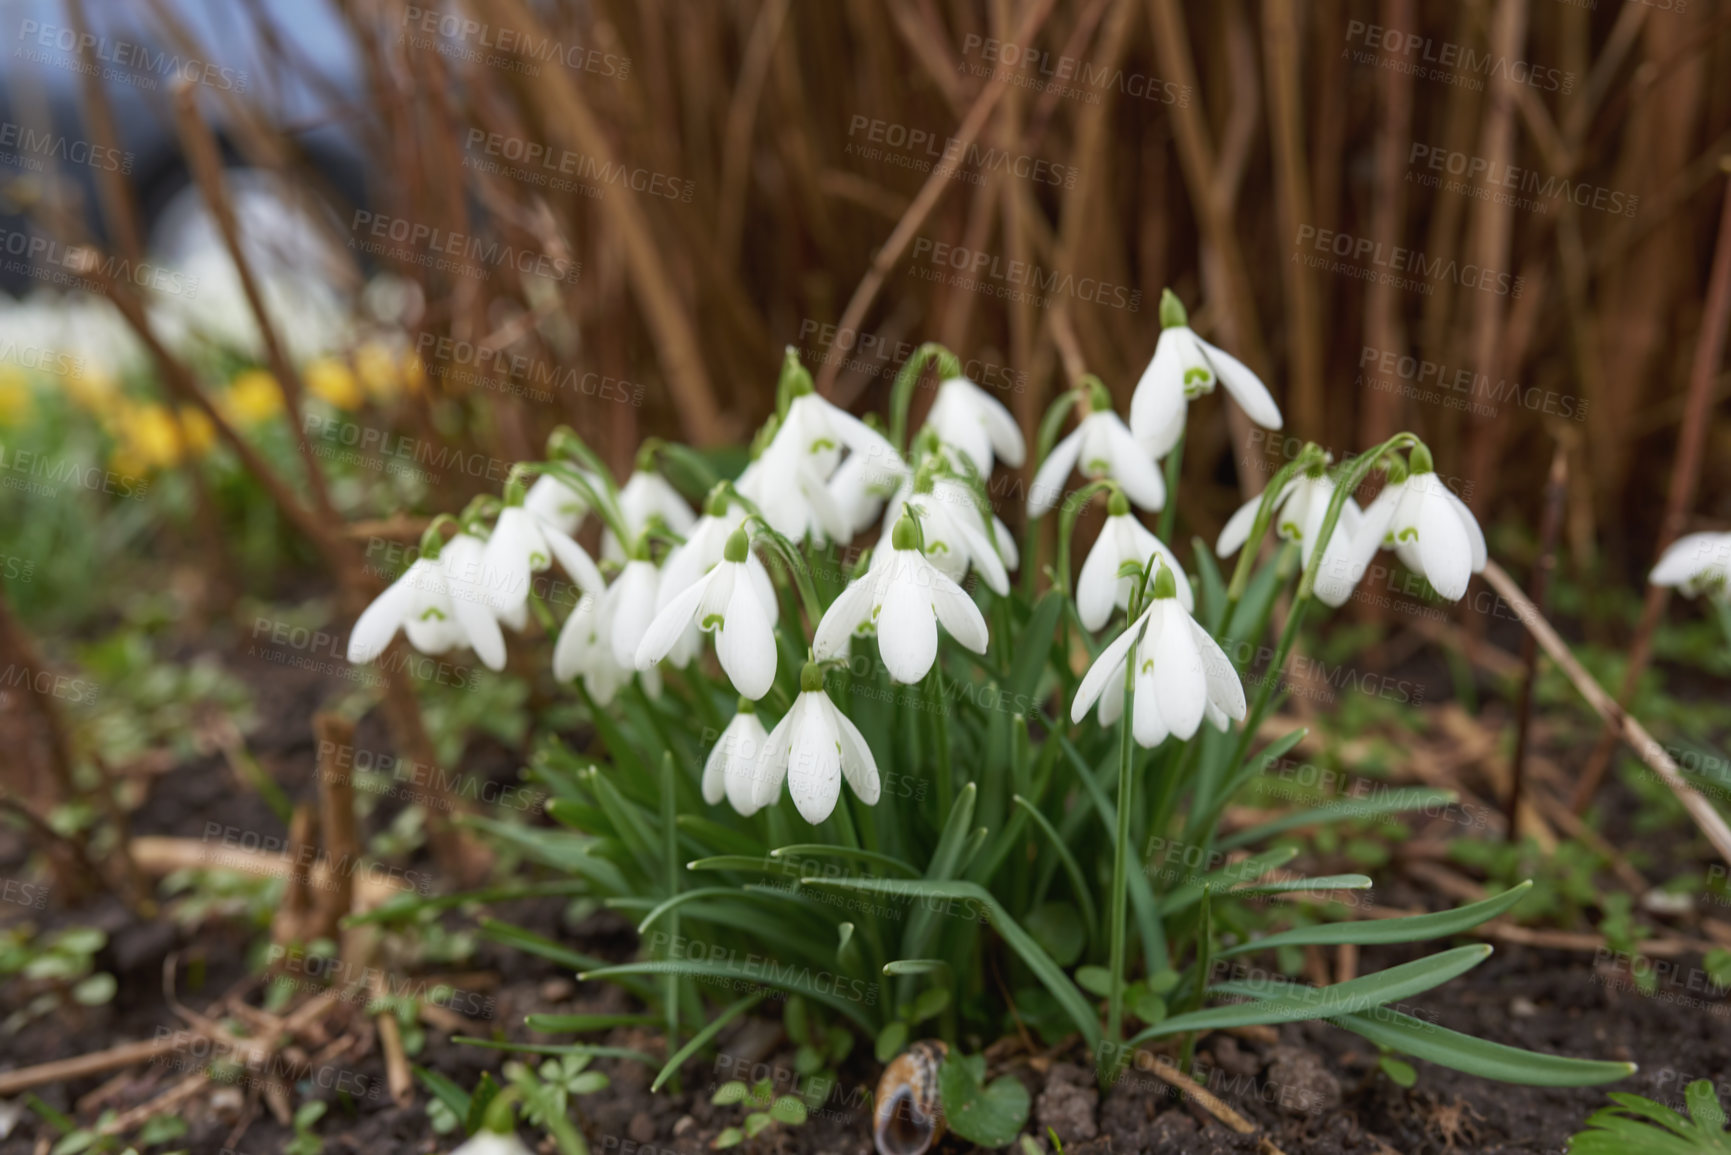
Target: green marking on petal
(820,444)
(431,613)
(710,622)
(1408,534)
(1097,466)
(537,559)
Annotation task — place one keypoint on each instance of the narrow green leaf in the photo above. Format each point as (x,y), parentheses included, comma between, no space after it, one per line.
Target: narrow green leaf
(1342,810)
(701,1039)
(758,972)
(1460,1052)
(884,862)
(1413,928)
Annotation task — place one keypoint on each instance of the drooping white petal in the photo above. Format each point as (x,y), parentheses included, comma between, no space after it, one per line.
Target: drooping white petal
(982,556)
(633,609)
(1246,387)
(1178,674)
(957,613)
(516,551)
(858,765)
(1688,559)
(1129,463)
(1237,529)
(464,562)
(1048,484)
(1111,660)
(745,644)
(1097,584)
(1475,534)
(1445,551)
(907,625)
(746,742)
(715,768)
(1158,402)
(851,610)
(575,561)
(574,641)
(1225,688)
(814,760)
(379,622)
(669,623)
(551,502)
(771,768)
(1148,723)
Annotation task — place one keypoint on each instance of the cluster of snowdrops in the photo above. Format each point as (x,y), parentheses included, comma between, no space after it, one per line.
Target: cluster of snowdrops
(819,476)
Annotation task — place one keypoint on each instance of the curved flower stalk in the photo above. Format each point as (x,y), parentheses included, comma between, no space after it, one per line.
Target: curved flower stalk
(736,603)
(813,748)
(1185,367)
(1100,586)
(1699,564)
(904,601)
(730,770)
(976,425)
(553,503)
(1180,674)
(440,602)
(1101,445)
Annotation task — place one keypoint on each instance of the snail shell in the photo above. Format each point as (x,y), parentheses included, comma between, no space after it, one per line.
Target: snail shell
(909,1117)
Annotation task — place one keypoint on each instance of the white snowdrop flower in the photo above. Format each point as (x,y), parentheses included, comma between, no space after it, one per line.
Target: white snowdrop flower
(585,650)
(522,546)
(1299,511)
(794,497)
(863,483)
(976,425)
(957,533)
(1699,564)
(630,608)
(646,495)
(700,552)
(814,747)
(553,503)
(492,1143)
(728,602)
(1185,367)
(731,768)
(1430,529)
(1100,446)
(440,603)
(1122,539)
(904,601)
(1181,674)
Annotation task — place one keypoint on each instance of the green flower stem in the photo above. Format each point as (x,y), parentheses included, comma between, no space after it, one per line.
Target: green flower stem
(607,509)
(433,537)
(1174,471)
(902,392)
(564,442)
(1120,912)
(940,732)
(795,562)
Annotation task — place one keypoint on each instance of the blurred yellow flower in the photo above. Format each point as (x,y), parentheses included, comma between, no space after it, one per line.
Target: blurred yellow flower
(330,380)
(377,367)
(414,372)
(150,437)
(253,397)
(16,400)
(197,434)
